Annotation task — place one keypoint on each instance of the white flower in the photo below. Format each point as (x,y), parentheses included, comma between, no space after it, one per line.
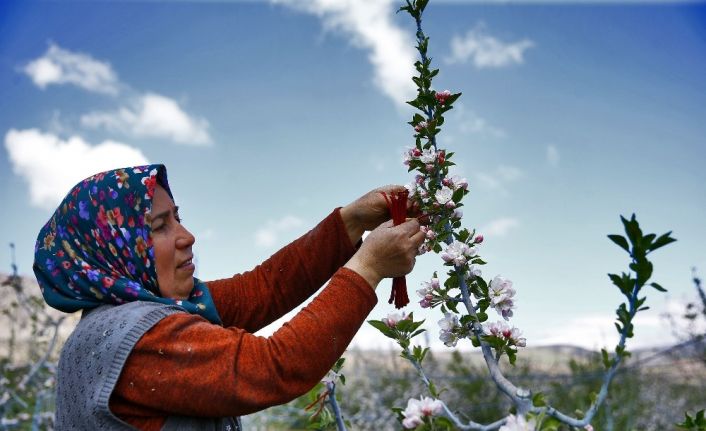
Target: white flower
(444,195)
(501,293)
(428,156)
(458,213)
(330,377)
(411,421)
(428,287)
(518,423)
(393,319)
(474,271)
(459,183)
(449,322)
(515,337)
(455,253)
(448,338)
(418,408)
(496,328)
(411,188)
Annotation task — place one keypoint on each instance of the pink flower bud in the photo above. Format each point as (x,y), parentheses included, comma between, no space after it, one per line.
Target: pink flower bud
(416,152)
(450,204)
(419,179)
(479,239)
(442,96)
(430,168)
(442,157)
(420,126)
(446,182)
(507,333)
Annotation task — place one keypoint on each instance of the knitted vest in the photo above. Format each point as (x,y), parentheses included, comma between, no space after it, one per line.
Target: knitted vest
(91,362)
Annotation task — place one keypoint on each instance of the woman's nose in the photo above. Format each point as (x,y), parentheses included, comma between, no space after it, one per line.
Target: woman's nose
(184,238)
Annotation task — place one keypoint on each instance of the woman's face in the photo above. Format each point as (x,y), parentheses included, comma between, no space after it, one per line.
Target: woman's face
(172,248)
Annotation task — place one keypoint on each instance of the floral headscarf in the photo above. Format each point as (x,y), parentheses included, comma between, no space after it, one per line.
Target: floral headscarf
(97,247)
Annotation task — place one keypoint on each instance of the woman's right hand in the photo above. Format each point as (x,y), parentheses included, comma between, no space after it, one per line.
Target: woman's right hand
(388,251)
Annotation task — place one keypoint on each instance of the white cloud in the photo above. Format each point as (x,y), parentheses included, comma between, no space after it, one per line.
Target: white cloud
(595,331)
(51,166)
(369,25)
(485,50)
(499,227)
(468,121)
(270,234)
(552,155)
(509,173)
(61,66)
(153,115)
(497,179)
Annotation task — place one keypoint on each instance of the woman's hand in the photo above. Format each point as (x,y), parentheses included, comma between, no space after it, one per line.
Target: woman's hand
(369,211)
(389,251)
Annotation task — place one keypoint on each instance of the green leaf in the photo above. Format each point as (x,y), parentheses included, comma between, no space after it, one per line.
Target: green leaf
(538,400)
(621,241)
(482,317)
(386,330)
(662,241)
(511,356)
(607,362)
(658,287)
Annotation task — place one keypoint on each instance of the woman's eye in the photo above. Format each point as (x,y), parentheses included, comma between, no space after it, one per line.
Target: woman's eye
(158,228)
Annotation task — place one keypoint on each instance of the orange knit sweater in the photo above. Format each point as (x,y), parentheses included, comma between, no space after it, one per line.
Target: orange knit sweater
(187,366)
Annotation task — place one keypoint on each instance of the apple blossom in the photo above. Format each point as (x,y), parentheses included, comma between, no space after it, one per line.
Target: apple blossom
(444,195)
(501,292)
(474,271)
(515,338)
(496,329)
(418,408)
(478,239)
(455,253)
(421,125)
(441,97)
(428,156)
(449,322)
(458,213)
(518,423)
(330,377)
(448,338)
(393,319)
(459,183)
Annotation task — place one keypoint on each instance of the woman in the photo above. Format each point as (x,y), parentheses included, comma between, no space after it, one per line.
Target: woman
(157,348)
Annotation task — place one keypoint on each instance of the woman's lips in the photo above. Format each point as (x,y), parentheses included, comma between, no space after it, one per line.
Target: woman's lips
(187,265)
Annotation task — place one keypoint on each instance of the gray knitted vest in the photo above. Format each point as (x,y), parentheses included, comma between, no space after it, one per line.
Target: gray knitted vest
(91,362)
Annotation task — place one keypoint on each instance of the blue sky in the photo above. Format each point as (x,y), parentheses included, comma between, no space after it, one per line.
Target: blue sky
(270,114)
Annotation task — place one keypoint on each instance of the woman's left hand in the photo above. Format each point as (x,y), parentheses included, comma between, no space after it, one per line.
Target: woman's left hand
(370,211)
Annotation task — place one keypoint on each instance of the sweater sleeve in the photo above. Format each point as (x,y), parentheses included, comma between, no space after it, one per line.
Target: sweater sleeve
(256,298)
(187,366)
